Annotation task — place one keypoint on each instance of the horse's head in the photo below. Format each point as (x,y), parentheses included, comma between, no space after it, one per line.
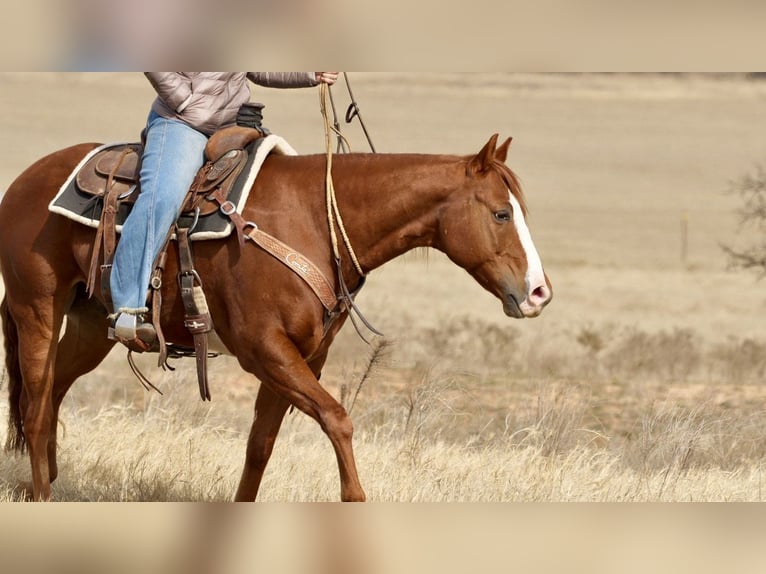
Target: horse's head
(483,229)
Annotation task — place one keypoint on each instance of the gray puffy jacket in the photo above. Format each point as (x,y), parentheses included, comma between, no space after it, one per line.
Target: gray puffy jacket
(209,101)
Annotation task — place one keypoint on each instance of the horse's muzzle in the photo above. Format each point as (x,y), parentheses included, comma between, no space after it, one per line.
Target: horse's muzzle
(532,305)
(536,300)
(511,307)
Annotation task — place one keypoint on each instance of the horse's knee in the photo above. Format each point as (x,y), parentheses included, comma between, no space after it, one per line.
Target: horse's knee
(337,424)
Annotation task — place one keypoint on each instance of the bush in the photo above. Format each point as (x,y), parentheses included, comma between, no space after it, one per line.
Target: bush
(752,190)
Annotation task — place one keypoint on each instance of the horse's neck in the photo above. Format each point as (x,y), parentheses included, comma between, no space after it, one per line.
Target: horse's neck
(390,203)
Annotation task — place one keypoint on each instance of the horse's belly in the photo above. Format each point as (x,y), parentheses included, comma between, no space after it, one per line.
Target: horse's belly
(215,344)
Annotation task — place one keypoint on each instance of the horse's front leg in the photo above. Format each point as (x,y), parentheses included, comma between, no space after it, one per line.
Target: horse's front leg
(284,371)
(270,409)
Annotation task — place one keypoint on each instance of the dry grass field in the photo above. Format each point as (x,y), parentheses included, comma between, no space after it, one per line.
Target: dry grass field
(644,380)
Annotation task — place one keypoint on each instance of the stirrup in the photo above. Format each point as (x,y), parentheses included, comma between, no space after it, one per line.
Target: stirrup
(133,332)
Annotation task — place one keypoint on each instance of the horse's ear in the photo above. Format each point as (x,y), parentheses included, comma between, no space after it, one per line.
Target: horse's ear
(501,153)
(483,161)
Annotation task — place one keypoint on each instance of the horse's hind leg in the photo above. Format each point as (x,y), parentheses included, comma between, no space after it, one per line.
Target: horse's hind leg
(270,409)
(38,323)
(82,348)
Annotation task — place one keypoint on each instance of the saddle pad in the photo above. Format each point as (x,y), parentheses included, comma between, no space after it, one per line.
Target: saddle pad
(71,203)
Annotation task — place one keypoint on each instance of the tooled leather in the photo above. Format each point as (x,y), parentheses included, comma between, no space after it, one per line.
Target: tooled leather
(301,266)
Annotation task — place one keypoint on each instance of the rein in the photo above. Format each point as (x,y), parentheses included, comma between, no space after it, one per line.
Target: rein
(343,145)
(352,112)
(333,213)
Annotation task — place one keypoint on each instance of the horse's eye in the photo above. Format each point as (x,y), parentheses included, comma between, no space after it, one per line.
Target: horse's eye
(502,216)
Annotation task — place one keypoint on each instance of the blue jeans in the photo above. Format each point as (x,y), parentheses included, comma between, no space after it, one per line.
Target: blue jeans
(173,154)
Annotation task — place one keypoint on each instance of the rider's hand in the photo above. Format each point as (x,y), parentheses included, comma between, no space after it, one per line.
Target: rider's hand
(327,77)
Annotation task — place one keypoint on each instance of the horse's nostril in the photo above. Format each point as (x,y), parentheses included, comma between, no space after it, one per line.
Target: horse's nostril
(540,295)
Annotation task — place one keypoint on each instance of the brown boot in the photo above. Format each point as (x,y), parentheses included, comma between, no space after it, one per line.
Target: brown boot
(134,332)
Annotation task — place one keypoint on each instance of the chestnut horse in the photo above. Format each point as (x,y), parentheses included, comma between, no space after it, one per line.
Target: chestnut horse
(471,208)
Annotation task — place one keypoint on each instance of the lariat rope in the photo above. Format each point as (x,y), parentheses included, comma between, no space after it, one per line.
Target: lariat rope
(333,212)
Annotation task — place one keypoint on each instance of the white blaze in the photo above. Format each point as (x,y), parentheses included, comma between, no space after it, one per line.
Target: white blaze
(535,276)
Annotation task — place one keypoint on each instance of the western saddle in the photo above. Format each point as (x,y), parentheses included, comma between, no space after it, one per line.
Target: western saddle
(118,168)
(112,176)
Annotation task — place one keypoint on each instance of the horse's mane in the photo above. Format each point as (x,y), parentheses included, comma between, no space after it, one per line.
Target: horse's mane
(513,183)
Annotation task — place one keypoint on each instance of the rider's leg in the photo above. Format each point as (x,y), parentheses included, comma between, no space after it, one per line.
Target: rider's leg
(173,154)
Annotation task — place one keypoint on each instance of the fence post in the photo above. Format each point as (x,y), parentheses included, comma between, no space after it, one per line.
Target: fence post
(684,238)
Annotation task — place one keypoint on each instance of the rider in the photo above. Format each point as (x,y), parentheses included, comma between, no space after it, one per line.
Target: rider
(189,108)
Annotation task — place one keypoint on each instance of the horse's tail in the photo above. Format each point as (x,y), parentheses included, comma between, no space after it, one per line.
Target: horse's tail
(16,439)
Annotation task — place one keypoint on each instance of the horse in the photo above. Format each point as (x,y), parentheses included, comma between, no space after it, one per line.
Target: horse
(469,207)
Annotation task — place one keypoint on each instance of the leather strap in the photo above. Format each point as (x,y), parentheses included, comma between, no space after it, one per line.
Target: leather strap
(297,263)
(230,210)
(94,258)
(199,326)
(156,286)
(106,235)
(109,236)
(305,269)
(198,323)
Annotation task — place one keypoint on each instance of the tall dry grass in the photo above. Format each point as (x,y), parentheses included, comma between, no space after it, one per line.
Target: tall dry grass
(123,455)
(598,422)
